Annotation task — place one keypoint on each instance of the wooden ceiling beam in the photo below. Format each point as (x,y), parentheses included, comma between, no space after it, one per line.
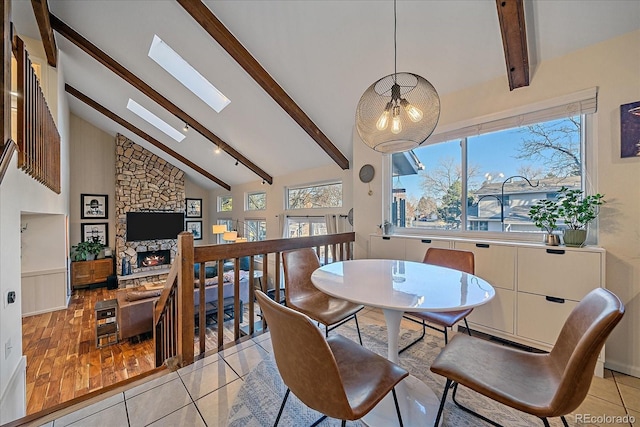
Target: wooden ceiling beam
(216,29)
(142,134)
(100,56)
(41,11)
(514,41)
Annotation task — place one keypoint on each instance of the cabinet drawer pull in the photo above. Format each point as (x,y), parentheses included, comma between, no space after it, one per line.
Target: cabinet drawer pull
(426,240)
(555,299)
(386,238)
(555,251)
(482,245)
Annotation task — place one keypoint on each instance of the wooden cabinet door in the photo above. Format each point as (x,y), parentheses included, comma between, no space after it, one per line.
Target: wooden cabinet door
(81,273)
(102,268)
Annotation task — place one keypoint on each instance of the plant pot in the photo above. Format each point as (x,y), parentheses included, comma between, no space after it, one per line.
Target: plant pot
(91,257)
(575,238)
(551,239)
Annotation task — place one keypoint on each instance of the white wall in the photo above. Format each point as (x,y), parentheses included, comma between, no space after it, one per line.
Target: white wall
(19,193)
(194,191)
(614,67)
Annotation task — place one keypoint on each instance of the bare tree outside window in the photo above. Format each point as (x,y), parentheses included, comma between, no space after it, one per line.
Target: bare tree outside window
(317,196)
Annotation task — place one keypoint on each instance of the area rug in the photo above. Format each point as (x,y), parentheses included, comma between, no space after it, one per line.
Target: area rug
(261,394)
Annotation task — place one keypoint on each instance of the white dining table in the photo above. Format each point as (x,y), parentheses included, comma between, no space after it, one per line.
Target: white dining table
(397,287)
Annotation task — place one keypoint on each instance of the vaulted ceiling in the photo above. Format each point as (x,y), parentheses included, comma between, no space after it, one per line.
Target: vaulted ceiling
(321,55)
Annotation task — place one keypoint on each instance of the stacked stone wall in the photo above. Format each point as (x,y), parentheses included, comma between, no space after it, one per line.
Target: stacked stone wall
(144,182)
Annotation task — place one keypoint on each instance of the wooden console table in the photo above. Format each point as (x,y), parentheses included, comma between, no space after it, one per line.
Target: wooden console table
(85,273)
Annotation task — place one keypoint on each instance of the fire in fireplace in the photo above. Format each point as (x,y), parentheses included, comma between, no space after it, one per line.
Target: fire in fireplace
(153,258)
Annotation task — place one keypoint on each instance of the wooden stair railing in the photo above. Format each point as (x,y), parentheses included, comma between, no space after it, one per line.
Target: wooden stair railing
(174,324)
(7,153)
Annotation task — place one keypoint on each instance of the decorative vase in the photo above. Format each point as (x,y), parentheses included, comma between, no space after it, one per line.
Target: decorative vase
(91,257)
(551,239)
(575,238)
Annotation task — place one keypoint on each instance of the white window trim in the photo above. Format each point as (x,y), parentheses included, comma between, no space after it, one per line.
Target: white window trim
(219,203)
(246,201)
(313,184)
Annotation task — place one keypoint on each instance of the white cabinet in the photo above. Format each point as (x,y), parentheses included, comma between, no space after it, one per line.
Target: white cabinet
(536,286)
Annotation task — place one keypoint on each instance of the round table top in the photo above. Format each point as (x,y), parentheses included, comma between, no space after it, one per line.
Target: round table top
(402,285)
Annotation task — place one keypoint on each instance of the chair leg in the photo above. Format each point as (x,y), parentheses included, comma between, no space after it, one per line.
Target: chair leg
(444,398)
(395,400)
(466,324)
(286,395)
(424,331)
(564,421)
(446,337)
(344,423)
(319,420)
(469,411)
(545,421)
(358,328)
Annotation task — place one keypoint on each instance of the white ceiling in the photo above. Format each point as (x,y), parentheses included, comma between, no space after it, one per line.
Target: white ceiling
(324,54)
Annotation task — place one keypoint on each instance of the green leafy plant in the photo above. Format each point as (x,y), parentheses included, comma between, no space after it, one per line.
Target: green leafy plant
(578,211)
(544,214)
(82,250)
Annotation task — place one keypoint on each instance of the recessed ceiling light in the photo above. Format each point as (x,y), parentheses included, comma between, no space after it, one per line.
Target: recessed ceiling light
(175,65)
(156,121)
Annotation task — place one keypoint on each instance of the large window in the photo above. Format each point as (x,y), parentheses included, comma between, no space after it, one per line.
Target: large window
(225,204)
(327,195)
(489,181)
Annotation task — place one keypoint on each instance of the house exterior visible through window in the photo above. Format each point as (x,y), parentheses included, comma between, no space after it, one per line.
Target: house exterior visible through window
(225,204)
(256,201)
(488,181)
(326,195)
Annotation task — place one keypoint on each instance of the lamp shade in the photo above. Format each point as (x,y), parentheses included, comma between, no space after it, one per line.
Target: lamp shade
(219,228)
(230,235)
(397,113)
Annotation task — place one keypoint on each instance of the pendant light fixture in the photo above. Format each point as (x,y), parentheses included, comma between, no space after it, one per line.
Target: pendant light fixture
(398,112)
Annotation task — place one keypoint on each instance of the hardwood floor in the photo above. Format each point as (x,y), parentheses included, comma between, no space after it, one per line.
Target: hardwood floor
(62,359)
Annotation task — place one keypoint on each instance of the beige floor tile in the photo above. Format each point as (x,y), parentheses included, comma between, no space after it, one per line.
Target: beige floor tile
(243,361)
(150,384)
(626,379)
(215,406)
(89,410)
(596,407)
(205,380)
(113,416)
(606,388)
(157,403)
(635,421)
(187,416)
(630,396)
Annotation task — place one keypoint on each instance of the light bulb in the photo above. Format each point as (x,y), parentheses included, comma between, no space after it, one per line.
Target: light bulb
(414,113)
(396,125)
(217,150)
(383,121)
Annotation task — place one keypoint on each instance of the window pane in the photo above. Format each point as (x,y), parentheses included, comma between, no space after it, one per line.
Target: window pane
(303,226)
(430,198)
(229,224)
(510,170)
(318,196)
(225,204)
(255,229)
(256,201)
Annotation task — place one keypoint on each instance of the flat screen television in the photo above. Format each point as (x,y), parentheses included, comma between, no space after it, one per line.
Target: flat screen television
(154,225)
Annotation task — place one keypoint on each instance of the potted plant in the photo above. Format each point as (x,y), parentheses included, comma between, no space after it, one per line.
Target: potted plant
(578,211)
(544,214)
(87,250)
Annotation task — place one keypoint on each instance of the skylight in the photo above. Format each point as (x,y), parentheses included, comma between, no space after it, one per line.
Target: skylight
(175,65)
(156,121)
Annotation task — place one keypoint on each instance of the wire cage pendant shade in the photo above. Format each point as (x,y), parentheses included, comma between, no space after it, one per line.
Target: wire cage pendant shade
(397,113)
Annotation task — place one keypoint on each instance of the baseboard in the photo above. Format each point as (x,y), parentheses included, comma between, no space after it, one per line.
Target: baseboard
(13,403)
(48,310)
(624,368)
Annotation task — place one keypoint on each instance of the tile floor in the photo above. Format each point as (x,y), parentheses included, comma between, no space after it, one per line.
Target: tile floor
(201,394)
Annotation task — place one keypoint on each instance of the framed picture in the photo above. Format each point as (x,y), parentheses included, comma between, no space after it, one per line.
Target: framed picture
(630,129)
(93,206)
(194,208)
(195,227)
(98,232)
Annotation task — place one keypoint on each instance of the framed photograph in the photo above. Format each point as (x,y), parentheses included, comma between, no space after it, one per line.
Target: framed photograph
(194,208)
(630,129)
(195,227)
(93,206)
(98,232)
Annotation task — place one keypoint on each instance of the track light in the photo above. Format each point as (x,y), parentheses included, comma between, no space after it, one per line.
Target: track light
(217,150)
(263,182)
(236,162)
(186,127)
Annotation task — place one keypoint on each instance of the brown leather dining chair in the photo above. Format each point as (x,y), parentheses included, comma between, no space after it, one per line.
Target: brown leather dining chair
(545,385)
(334,376)
(450,258)
(301,295)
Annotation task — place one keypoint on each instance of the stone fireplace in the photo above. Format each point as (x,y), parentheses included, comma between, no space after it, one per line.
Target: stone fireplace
(144,181)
